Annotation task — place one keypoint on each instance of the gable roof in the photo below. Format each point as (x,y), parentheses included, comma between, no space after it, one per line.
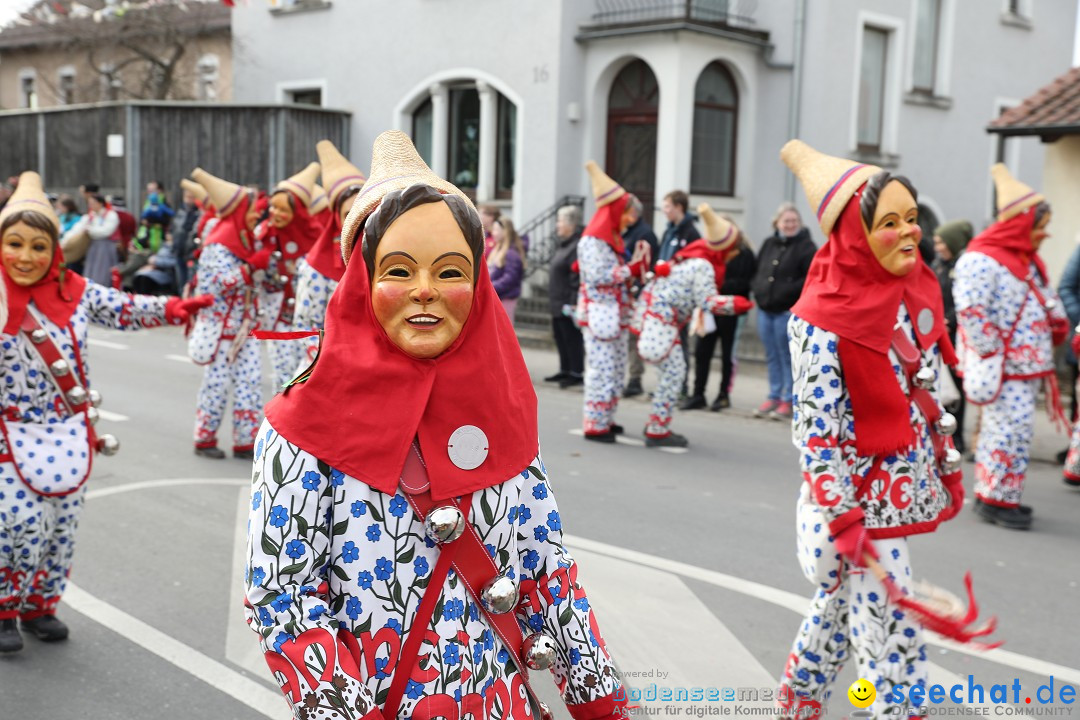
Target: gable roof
(1053,110)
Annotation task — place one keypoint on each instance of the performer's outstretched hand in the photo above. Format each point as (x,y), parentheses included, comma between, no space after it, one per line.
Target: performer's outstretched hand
(853,542)
(179,310)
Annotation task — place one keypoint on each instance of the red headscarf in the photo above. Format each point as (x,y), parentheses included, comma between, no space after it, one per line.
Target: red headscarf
(366,399)
(57,294)
(717,258)
(849,293)
(605,224)
(231,230)
(1009,242)
(295,239)
(325,255)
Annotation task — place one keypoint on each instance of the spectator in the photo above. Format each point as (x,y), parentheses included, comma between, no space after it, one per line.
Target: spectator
(102,225)
(950,240)
(1069,290)
(128,224)
(85,191)
(154,219)
(184,225)
(639,231)
(67,211)
(562,295)
(679,233)
(506,264)
(159,275)
(488,215)
(5,193)
(782,265)
(737,279)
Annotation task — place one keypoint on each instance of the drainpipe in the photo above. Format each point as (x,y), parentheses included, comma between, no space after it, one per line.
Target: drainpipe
(796,89)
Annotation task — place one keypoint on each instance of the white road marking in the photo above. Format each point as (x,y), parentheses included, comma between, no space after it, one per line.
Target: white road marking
(95,342)
(263,700)
(179,358)
(799,604)
(111,416)
(155,484)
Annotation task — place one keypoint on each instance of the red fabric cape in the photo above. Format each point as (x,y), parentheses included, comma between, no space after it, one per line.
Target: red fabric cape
(299,234)
(57,295)
(717,258)
(605,224)
(325,255)
(366,400)
(231,230)
(849,293)
(1009,242)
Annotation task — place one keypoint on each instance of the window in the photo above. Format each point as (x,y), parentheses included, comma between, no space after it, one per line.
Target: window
(716,112)
(305,96)
(927,32)
(872,79)
(65,86)
(28,97)
(423,122)
(206,78)
(507,146)
(464,146)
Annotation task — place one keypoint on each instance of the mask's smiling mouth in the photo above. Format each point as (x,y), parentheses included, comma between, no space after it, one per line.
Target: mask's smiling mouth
(423,320)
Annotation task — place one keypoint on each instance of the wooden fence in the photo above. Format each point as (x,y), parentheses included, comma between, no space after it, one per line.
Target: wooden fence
(164,141)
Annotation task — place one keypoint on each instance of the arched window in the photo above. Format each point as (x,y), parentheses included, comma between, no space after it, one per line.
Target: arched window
(633,109)
(716,122)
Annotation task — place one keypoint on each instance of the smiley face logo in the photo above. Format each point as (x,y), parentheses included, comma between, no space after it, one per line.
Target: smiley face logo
(862,693)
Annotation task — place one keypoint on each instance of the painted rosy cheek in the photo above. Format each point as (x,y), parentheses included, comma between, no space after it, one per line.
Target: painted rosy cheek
(387,300)
(888,238)
(458,300)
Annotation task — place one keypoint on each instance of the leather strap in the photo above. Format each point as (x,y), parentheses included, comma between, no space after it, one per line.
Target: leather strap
(474,567)
(49,353)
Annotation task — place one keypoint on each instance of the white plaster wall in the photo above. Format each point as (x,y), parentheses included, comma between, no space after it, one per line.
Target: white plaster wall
(1061,186)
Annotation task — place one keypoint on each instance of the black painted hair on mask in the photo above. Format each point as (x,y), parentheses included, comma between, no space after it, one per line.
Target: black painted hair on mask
(872,193)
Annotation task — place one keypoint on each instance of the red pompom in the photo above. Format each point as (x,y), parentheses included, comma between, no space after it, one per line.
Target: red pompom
(662,269)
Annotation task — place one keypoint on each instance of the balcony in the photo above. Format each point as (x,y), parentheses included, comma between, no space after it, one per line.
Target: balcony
(726,18)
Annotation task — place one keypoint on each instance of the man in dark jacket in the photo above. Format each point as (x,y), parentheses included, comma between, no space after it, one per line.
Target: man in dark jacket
(562,295)
(679,233)
(638,230)
(183,231)
(782,264)
(950,240)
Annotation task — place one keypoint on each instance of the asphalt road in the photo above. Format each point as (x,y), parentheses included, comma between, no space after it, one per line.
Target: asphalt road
(688,557)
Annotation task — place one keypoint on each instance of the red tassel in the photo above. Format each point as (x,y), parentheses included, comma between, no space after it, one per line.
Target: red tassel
(1053,404)
(952,627)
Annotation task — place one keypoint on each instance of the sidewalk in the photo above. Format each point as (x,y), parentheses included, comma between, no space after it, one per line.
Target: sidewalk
(751,386)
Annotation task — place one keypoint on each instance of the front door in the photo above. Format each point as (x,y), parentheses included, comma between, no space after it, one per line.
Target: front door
(633,107)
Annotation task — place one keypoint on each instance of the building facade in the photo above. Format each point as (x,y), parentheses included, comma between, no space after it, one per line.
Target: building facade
(70,53)
(508,100)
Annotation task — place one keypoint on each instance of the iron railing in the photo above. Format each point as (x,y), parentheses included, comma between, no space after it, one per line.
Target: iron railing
(540,232)
(738,13)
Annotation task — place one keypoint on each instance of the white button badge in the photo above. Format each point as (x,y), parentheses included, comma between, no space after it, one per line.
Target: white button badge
(468,447)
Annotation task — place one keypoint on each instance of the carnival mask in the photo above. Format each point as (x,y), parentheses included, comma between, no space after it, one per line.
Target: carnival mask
(27,253)
(895,233)
(422,282)
(1038,233)
(281,212)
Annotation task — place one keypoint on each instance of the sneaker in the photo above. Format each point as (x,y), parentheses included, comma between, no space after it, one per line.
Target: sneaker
(721,403)
(571,381)
(766,407)
(1013,518)
(557,377)
(604,437)
(633,388)
(1026,509)
(694,402)
(243,454)
(669,440)
(617,429)
(214,453)
(782,411)
(46,628)
(10,639)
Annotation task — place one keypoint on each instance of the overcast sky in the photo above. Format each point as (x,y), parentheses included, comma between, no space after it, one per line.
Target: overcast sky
(11,8)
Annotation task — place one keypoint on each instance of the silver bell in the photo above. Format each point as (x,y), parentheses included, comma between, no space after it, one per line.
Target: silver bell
(283,279)
(95,398)
(60,368)
(1050,304)
(445,524)
(924,379)
(951,463)
(946,424)
(93,415)
(539,651)
(77,395)
(39,336)
(108,445)
(290,302)
(500,595)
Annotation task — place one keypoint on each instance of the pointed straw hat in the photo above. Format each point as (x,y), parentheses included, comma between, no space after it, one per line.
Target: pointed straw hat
(395,165)
(29,195)
(194,188)
(829,181)
(717,229)
(605,190)
(337,172)
(223,194)
(319,201)
(302,183)
(1013,196)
